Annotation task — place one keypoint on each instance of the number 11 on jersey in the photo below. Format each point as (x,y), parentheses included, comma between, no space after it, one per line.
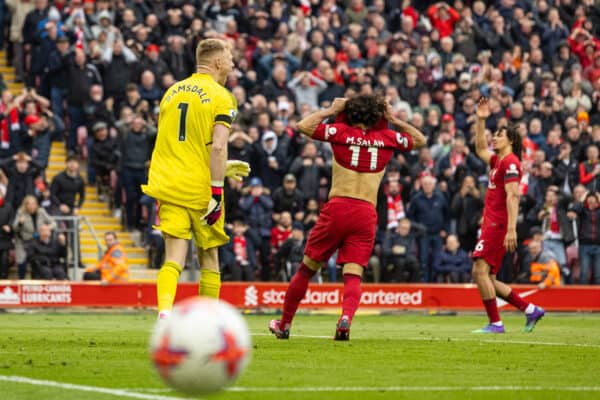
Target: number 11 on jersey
(356,153)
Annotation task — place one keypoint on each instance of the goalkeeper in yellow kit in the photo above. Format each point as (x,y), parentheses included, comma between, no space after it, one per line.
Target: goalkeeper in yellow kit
(188,168)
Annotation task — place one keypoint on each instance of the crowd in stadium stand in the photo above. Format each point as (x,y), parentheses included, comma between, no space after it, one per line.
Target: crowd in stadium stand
(95,72)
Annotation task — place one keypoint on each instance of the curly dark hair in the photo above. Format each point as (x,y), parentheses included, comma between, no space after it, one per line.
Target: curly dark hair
(366,110)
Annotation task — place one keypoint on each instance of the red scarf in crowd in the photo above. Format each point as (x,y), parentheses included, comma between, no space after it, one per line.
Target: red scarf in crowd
(395,210)
(12,122)
(240,249)
(554,226)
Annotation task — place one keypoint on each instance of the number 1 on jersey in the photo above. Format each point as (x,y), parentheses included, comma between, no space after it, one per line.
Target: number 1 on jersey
(183,107)
(356,152)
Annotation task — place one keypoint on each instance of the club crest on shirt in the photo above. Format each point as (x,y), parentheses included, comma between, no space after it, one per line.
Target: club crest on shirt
(512,170)
(330,131)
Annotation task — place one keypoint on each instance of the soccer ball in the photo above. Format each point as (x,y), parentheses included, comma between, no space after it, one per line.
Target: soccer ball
(201,347)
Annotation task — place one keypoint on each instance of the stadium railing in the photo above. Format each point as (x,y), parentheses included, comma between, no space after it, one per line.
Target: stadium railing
(71,226)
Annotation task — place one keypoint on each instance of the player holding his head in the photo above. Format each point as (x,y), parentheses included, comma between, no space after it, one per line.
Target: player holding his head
(499,226)
(362,146)
(188,168)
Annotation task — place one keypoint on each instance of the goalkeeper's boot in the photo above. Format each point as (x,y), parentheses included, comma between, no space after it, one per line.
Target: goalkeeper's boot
(533,318)
(342,329)
(275,328)
(491,328)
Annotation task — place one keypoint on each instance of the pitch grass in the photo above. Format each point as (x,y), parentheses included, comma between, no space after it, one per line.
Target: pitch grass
(107,350)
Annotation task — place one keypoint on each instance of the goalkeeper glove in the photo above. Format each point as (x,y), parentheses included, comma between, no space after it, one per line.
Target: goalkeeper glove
(237,169)
(214,205)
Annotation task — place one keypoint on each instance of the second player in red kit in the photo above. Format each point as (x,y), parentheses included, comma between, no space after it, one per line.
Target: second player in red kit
(490,245)
(499,226)
(362,145)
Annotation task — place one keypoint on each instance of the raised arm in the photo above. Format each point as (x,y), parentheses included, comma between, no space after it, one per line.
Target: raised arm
(309,124)
(419,139)
(481,147)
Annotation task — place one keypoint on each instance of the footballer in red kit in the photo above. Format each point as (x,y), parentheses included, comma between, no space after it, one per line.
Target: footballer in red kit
(362,146)
(499,225)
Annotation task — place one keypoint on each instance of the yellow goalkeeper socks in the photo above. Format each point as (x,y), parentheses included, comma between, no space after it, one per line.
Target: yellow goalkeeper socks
(210,283)
(166,285)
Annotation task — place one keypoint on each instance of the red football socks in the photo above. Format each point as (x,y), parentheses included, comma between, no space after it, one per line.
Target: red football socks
(491,308)
(352,294)
(295,293)
(517,301)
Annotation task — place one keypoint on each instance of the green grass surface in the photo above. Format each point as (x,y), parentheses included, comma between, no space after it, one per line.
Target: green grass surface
(559,360)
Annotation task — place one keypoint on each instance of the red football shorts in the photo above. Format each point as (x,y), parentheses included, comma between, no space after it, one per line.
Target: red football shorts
(491,248)
(348,225)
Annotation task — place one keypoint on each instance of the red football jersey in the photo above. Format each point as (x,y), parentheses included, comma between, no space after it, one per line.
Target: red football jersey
(362,150)
(495,213)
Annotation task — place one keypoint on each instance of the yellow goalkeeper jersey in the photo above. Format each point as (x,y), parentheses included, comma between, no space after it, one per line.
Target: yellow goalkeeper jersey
(180,164)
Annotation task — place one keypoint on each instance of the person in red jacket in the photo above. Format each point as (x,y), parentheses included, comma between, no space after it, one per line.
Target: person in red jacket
(589,170)
(281,232)
(443,17)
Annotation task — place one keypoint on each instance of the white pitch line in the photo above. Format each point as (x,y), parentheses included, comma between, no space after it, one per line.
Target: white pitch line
(84,388)
(415,388)
(452,339)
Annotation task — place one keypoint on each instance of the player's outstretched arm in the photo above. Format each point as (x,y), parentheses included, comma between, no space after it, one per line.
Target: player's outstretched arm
(483,112)
(309,124)
(419,139)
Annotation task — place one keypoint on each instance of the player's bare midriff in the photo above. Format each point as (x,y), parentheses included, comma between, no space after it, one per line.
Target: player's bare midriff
(353,184)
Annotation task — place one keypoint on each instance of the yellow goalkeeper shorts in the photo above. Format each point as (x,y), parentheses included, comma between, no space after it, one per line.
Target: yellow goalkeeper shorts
(185,223)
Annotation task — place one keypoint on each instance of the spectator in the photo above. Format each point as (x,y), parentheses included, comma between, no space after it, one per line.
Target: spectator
(443,18)
(395,206)
(281,232)
(29,217)
(543,268)
(429,208)
(82,75)
(152,62)
(7,215)
(19,11)
(538,185)
(291,253)
(587,213)
(269,160)
(243,265)
(57,75)
(257,206)
(453,264)
(467,208)
(312,214)
(68,189)
(113,267)
(135,149)
(589,170)
(566,168)
(119,64)
(400,263)
(307,89)
(9,125)
(21,171)
(47,256)
(309,168)
(289,198)
(556,227)
(104,158)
